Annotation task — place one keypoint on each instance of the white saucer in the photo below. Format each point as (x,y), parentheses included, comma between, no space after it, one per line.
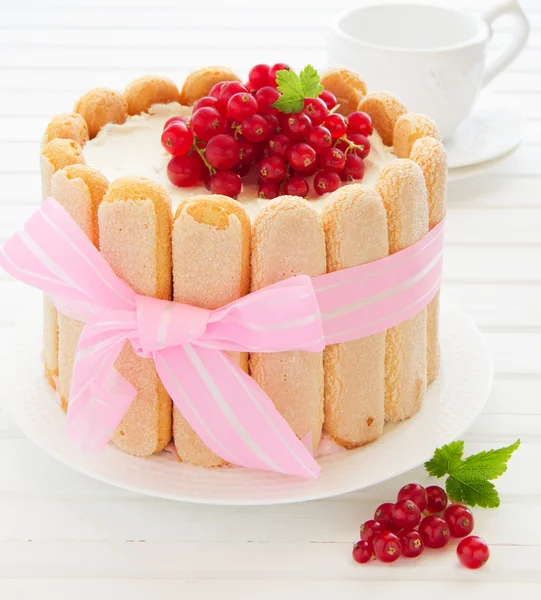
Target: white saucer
(485,138)
(452,403)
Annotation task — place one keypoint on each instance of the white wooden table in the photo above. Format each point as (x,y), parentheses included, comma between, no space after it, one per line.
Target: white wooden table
(62,533)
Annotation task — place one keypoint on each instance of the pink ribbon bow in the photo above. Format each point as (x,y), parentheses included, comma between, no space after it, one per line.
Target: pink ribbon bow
(226,408)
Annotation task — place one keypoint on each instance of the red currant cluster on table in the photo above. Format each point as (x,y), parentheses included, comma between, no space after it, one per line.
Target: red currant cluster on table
(237,128)
(419,519)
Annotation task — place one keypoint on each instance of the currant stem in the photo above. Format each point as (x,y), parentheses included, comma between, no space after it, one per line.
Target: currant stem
(201,153)
(351,145)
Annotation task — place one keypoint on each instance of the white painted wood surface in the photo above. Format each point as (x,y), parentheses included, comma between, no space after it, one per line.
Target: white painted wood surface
(63,535)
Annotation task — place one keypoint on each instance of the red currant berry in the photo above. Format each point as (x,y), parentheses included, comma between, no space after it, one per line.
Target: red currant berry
(274,69)
(353,169)
(217,88)
(311,171)
(413,491)
(272,169)
(226,183)
(436,499)
(412,543)
(274,123)
(296,186)
(184,171)
(297,126)
(206,123)
(266,97)
(332,159)
(177,139)
(363,552)
(258,77)
(326,182)
(316,109)
(336,124)
(207,101)
(248,152)
(362,143)
(268,191)
(460,520)
(222,151)
(370,528)
(301,157)
(241,106)
(279,144)
(384,514)
(406,514)
(172,120)
(329,98)
(230,89)
(241,169)
(434,531)
(387,547)
(319,138)
(360,122)
(254,128)
(473,552)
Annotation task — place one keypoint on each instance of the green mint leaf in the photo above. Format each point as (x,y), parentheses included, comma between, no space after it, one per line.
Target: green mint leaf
(474,493)
(295,88)
(488,465)
(446,459)
(290,86)
(310,82)
(289,104)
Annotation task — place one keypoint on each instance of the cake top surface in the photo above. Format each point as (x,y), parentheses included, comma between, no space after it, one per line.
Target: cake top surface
(133,148)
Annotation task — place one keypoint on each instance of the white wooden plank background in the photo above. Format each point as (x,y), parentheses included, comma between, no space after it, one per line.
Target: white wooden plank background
(63,535)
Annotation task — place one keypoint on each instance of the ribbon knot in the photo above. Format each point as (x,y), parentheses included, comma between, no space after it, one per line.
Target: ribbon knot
(163,324)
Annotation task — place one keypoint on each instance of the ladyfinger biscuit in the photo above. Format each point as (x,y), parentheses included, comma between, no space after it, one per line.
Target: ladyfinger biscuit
(134,221)
(384,110)
(145,91)
(288,240)
(409,128)
(430,155)
(199,83)
(101,106)
(79,189)
(402,188)
(346,85)
(355,226)
(55,155)
(216,274)
(69,126)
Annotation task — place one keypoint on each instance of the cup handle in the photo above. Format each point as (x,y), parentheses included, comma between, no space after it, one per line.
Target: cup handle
(521,30)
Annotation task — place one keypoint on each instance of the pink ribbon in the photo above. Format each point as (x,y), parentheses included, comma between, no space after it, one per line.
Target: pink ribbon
(225,406)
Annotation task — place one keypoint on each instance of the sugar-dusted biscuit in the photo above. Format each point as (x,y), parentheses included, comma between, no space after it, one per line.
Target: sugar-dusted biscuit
(55,155)
(430,155)
(145,91)
(288,240)
(384,110)
(355,226)
(346,85)
(216,274)
(69,126)
(409,128)
(79,189)
(101,106)
(402,188)
(134,221)
(199,83)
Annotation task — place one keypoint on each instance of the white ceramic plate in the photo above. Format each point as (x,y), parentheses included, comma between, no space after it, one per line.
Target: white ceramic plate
(451,405)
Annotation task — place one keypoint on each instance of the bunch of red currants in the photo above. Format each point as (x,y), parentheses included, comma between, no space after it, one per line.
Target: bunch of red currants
(399,529)
(236,128)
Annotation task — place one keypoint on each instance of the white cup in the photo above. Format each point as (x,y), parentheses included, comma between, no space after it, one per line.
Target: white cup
(432,58)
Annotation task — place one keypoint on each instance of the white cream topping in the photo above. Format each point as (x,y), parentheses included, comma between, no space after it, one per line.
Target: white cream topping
(134,149)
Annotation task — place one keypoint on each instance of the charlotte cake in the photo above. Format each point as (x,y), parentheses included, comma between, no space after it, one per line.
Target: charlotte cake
(246,243)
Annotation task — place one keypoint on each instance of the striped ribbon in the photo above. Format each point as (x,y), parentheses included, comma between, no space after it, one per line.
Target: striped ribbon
(226,408)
